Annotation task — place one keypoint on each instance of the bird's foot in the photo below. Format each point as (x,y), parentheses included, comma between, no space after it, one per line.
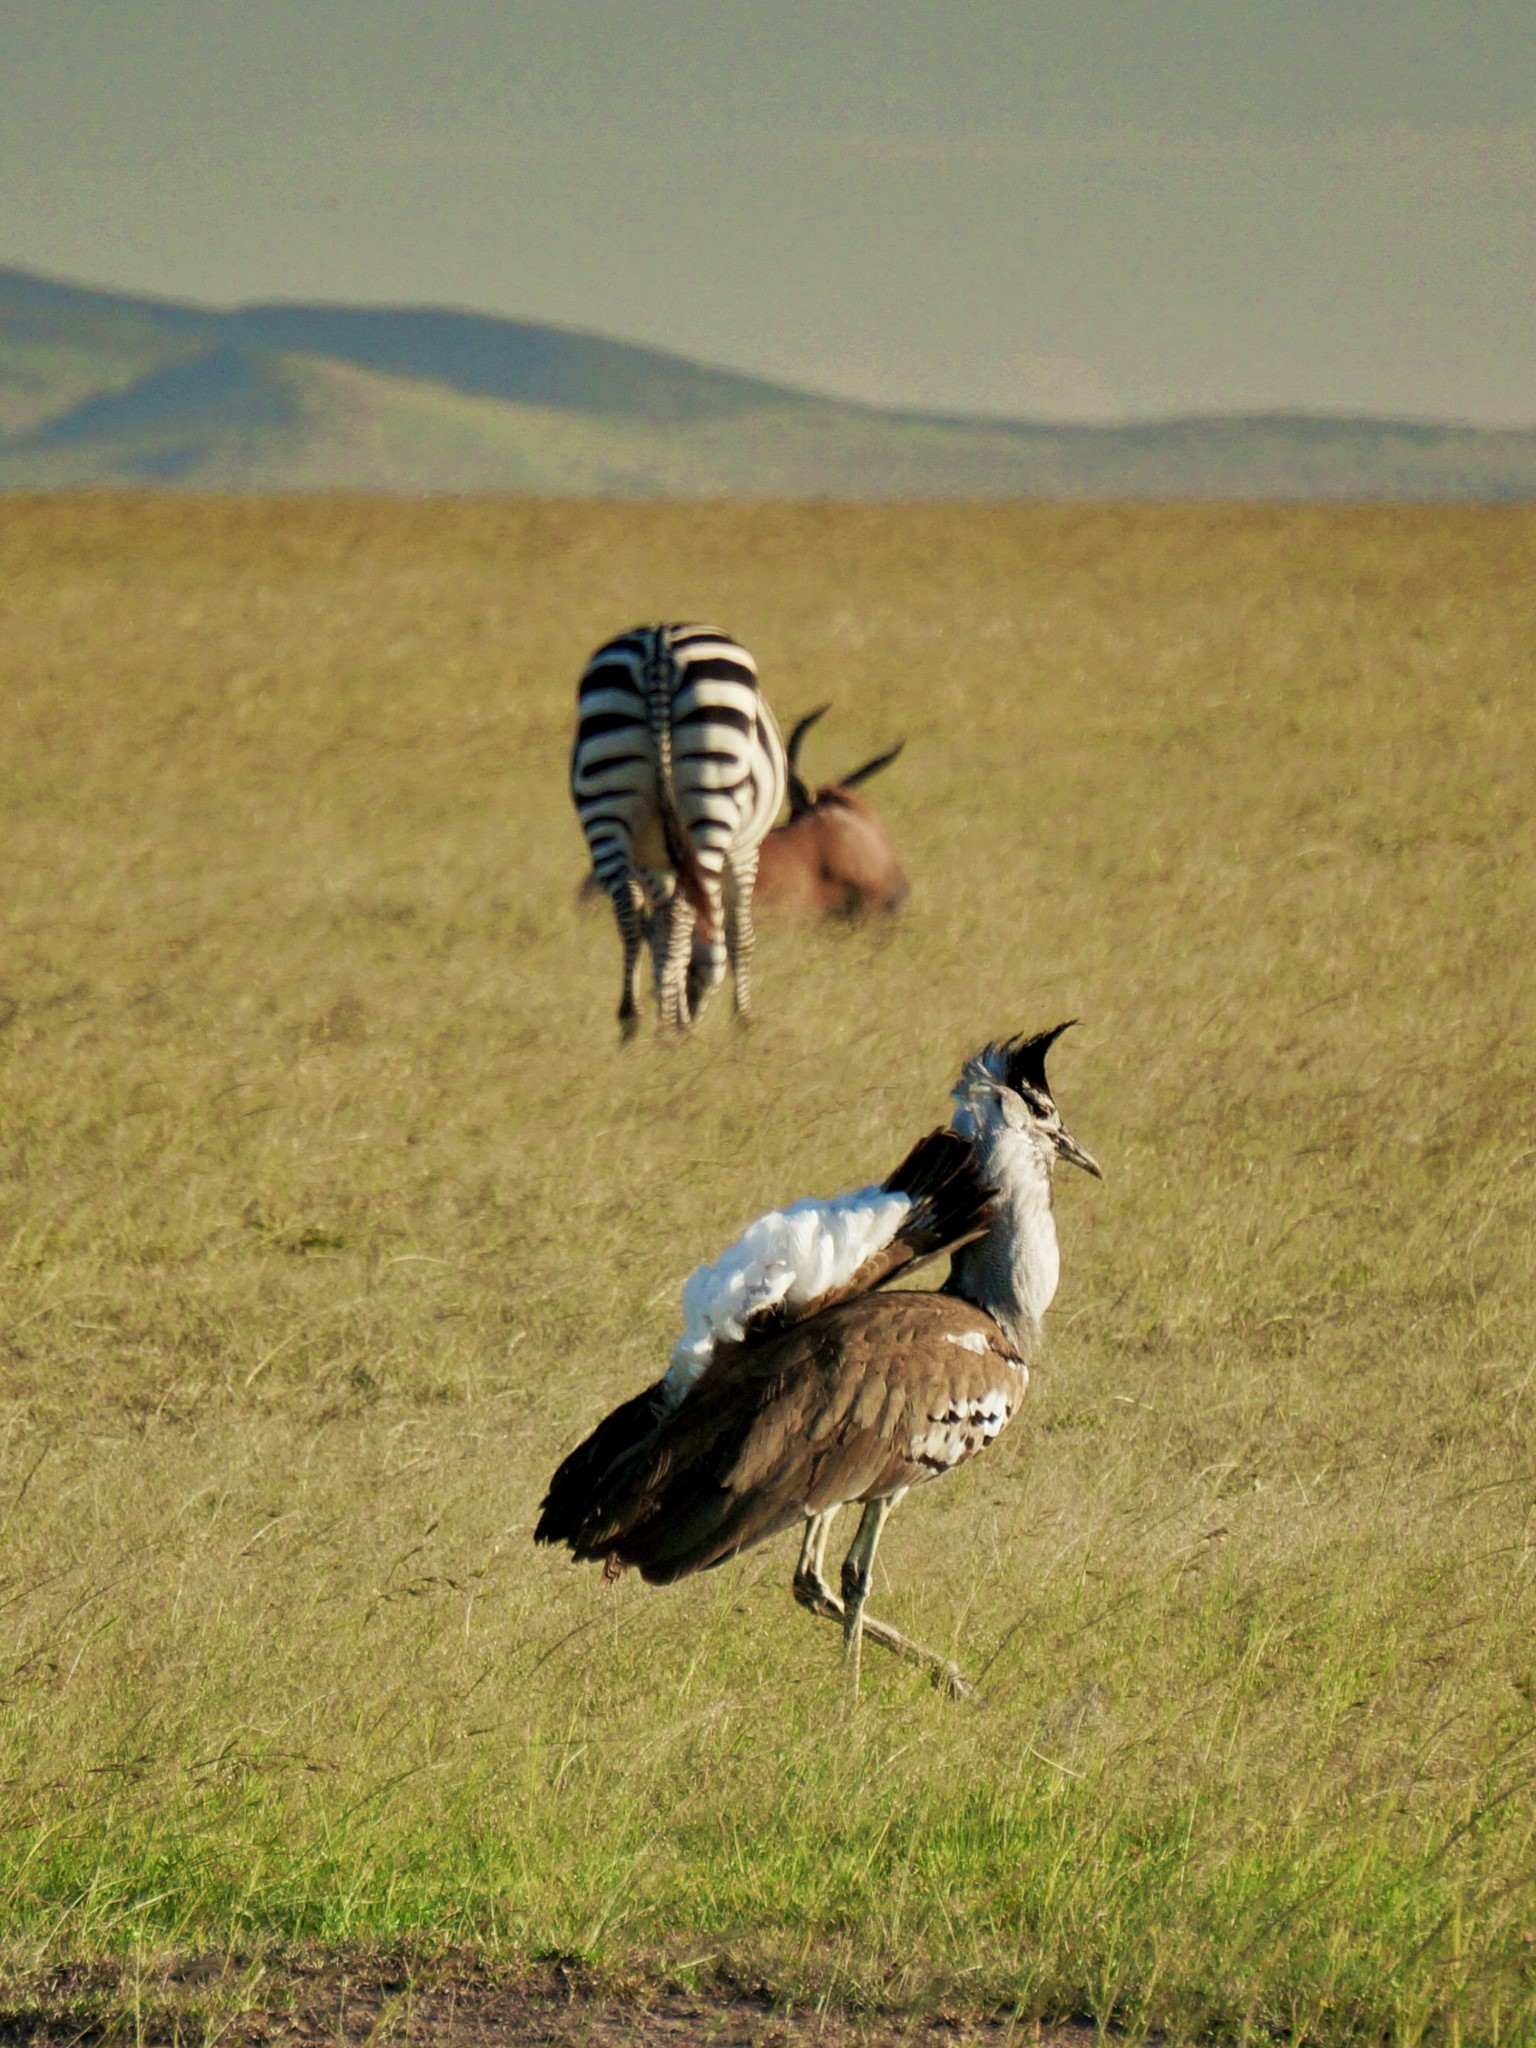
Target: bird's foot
(815,1594)
(948,1677)
(954,1681)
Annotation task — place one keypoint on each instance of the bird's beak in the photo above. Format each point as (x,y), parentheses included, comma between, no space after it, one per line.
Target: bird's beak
(1069,1148)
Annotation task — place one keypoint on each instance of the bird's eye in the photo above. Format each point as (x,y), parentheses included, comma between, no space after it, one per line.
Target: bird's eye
(1015,1110)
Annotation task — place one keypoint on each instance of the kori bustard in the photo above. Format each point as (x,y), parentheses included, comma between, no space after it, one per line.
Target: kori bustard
(797,1388)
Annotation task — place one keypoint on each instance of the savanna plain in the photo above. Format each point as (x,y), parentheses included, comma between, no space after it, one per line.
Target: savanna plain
(332,1212)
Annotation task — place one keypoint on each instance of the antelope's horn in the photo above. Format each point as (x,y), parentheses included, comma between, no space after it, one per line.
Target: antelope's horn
(872,767)
(800,795)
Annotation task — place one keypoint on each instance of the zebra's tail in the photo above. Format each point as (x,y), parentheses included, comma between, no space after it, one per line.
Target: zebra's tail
(685,865)
(681,851)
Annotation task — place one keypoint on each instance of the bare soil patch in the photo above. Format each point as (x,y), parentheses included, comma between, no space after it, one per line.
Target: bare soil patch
(460,2001)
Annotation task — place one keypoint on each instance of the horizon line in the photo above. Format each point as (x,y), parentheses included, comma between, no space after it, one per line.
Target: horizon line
(1278,412)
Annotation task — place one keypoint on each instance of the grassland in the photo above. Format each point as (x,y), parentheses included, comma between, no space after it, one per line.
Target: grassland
(331,1211)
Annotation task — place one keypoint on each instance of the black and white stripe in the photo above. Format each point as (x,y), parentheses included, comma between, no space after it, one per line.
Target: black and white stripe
(677,775)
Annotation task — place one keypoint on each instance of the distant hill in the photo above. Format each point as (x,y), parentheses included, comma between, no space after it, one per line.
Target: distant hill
(102,389)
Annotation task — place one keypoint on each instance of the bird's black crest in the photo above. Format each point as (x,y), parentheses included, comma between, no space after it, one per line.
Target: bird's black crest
(1025,1058)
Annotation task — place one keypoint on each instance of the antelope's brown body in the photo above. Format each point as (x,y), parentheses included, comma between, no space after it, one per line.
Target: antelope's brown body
(834,859)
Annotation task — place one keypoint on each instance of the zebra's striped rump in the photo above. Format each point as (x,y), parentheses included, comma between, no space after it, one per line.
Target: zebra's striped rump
(677,775)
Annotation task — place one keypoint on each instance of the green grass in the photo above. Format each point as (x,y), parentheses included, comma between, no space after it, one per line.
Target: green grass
(331,1212)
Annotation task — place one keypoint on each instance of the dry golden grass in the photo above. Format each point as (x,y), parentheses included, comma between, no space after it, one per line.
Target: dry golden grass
(331,1211)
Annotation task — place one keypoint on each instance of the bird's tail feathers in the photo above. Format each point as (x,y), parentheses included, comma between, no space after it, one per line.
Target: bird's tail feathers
(582,1496)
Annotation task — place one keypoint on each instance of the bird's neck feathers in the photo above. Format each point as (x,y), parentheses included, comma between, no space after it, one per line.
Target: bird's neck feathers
(1011,1271)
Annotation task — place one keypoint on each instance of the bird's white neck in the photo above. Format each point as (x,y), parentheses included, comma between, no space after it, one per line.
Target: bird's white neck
(1012,1270)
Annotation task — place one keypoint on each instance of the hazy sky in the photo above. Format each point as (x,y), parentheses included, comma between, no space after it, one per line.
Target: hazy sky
(1087,208)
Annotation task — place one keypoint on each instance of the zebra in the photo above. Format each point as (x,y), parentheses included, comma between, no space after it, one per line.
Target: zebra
(677,774)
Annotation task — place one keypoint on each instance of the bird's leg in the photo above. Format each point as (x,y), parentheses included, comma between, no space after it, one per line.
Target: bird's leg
(813,1592)
(858,1575)
(811,1588)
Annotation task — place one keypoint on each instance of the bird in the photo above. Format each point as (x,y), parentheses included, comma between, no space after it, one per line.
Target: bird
(677,774)
(800,1386)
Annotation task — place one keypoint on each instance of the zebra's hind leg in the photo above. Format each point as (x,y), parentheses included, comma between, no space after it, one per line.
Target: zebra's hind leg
(739,937)
(629,907)
(672,981)
(709,952)
(706,970)
(658,923)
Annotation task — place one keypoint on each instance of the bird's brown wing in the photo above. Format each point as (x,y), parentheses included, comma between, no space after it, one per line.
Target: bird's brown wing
(594,1490)
(871,1397)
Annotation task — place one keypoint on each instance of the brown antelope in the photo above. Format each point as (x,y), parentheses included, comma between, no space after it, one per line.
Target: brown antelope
(834,858)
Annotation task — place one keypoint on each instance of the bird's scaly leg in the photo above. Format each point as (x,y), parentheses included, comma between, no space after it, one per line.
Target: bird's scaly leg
(811,1588)
(858,1576)
(813,1592)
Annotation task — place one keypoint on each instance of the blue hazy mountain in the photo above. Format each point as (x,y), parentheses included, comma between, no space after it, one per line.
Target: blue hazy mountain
(103,389)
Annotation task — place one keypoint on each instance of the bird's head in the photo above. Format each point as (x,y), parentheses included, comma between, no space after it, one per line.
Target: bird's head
(1002,1099)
